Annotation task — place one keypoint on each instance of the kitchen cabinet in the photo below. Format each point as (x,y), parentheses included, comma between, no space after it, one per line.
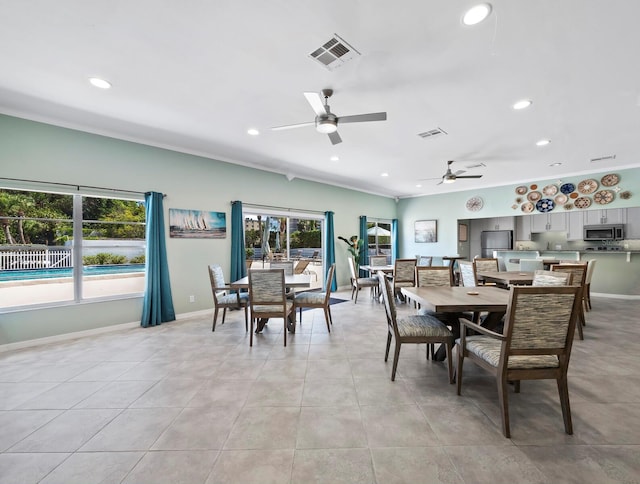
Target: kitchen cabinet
(605,216)
(548,222)
(523,227)
(495,223)
(575,225)
(632,228)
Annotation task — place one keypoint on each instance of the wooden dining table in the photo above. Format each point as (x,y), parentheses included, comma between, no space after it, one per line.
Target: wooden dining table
(460,299)
(507,278)
(295,281)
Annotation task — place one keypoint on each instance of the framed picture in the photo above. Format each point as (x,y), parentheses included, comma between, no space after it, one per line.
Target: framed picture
(197,224)
(463,233)
(426,231)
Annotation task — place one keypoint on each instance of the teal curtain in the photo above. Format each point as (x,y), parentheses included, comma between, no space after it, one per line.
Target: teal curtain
(157,307)
(329,247)
(394,239)
(364,253)
(238,255)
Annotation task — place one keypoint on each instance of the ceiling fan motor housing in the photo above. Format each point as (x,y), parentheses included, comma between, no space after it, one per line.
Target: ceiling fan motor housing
(327,123)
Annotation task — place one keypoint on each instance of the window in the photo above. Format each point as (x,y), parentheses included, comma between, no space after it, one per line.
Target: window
(57,248)
(379,239)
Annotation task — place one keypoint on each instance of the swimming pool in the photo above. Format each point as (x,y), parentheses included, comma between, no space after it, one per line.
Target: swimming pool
(29,274)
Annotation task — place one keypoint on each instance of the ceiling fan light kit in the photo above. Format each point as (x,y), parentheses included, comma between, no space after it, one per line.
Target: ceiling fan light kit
(326,124)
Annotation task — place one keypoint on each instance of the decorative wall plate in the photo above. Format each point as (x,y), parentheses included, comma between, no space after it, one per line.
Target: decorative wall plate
(474,204)
(587,186)
(550,190)
(582,202)
(567,188)
(534,196)
(626,195)
(574,195)
(561,199)
(515,206)
(521,190)
(545,205)
(603,197)
(568,206)
(519,200)
(527,207)
(534,187)
(610,180)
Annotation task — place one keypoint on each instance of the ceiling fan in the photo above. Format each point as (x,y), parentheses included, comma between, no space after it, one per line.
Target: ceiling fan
(450,177)
(326,122)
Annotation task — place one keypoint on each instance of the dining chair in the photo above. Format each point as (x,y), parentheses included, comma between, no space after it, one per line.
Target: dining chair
(485,265)
(414,328)
(586,297)
(268,299)
(358,283)
(315,299)
(223,298)
(467,273)
(424,260)
(536,344)
(404,274)
(551,278)
(286,265)
(378,260)
(578,276)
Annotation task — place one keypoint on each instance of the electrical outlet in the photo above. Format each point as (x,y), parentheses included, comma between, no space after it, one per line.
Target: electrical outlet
(192,299)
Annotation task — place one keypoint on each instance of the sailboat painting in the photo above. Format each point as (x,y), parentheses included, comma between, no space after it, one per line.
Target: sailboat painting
(197,224)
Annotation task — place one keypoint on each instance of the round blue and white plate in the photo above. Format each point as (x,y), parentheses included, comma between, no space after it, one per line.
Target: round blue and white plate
(545,205)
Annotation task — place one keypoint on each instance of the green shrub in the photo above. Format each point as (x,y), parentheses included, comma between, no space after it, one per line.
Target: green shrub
(139,259)
(103,258)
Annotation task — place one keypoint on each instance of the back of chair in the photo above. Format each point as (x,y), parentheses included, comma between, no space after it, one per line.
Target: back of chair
(352,268)
(541,321)
(267,288)
(378,260)
(578,272)
(389,302)
(486,265)
(551,278)
(329,281)
(531,265)
(216,276)
(591,265)
(404,272)
(424,260)
(301,266)
(286,265)
(467,273)
(433,276)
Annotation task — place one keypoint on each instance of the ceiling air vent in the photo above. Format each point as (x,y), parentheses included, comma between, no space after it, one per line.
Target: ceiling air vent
(603,158)
(334,53)
(432,132)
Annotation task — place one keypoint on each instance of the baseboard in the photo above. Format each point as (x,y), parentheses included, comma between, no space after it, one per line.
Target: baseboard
(631,297)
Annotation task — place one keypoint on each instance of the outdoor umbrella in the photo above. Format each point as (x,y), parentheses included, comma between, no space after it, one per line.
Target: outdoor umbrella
(379,231)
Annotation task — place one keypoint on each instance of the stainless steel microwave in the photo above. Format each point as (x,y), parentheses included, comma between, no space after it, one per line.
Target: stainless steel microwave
(604,232)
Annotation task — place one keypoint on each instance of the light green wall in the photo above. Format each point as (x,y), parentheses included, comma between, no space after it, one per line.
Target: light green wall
(36,151)
(447,208)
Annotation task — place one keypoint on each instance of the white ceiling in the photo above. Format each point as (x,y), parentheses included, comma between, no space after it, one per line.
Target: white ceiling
(195,75)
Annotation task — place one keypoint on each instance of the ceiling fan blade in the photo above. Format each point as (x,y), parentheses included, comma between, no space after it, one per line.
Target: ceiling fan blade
(291,126)
(335,138)
(360,118)
(459,172)
(469,176)
(316,103)
(441,182)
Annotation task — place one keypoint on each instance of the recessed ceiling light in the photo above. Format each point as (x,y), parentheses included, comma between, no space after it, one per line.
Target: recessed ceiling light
(384,174)
(418,185)
(334,158)
(543,142)
(523,104)
(101,83)
(476,14)
(557,163)
(253,132)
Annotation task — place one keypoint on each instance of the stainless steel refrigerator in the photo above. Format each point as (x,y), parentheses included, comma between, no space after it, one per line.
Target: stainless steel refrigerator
(491,240)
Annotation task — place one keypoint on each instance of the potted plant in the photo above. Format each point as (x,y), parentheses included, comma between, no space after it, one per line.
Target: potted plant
(355,247)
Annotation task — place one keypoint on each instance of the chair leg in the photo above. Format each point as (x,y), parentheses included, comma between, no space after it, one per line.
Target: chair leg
(251,332)
(396,357)
(386,354)
(300,314)
(563,391)
(516,386)
(449,346)
(330,317)
(459,370)
(580,322)
(246,317)
(503,396)
(215,318)
(327,317)
(589,295)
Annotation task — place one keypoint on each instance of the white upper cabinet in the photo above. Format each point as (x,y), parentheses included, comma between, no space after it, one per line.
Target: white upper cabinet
(605,216)
(548,222)
(575,225)
(632,228)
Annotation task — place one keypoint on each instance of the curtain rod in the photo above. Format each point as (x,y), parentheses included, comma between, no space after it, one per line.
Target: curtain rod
(73,185)
(272,207)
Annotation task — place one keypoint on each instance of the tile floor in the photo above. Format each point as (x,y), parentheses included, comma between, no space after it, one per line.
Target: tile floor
(180,404)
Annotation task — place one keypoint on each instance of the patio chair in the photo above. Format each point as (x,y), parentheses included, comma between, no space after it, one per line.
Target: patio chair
(268,299)
(314,299)
(415,329)
(223,298)
(536,344)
